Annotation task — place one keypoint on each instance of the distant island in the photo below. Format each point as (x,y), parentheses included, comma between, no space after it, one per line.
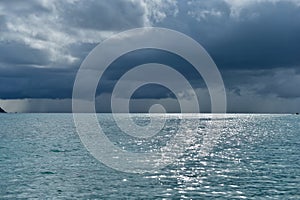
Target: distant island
(2,111)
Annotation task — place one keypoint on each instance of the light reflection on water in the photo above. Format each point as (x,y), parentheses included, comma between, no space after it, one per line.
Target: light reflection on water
(256,156)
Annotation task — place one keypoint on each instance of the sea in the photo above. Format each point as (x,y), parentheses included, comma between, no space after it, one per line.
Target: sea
(254,156)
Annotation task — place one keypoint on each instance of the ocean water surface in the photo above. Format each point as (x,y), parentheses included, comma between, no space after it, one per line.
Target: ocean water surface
(255,157)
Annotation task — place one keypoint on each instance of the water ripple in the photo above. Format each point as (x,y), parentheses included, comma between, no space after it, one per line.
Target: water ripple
(257,156)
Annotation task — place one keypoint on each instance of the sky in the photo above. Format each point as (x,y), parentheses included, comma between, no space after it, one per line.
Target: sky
(254,43)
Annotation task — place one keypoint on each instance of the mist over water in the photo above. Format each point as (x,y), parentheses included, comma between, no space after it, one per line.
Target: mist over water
(256,156)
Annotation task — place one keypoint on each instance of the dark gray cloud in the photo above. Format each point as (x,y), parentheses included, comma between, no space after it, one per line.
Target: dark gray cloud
(280,82)
(269,39)
(263,35)
(28,82)
(14,53)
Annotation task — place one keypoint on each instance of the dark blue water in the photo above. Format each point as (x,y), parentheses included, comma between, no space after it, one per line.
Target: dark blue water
(256,157)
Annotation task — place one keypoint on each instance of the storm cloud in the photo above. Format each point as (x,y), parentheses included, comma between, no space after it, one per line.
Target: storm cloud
(255,44)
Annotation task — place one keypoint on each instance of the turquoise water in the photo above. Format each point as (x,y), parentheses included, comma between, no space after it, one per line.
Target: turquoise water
(255,157)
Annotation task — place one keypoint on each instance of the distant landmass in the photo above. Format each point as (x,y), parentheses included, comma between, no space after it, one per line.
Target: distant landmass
(2,111)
